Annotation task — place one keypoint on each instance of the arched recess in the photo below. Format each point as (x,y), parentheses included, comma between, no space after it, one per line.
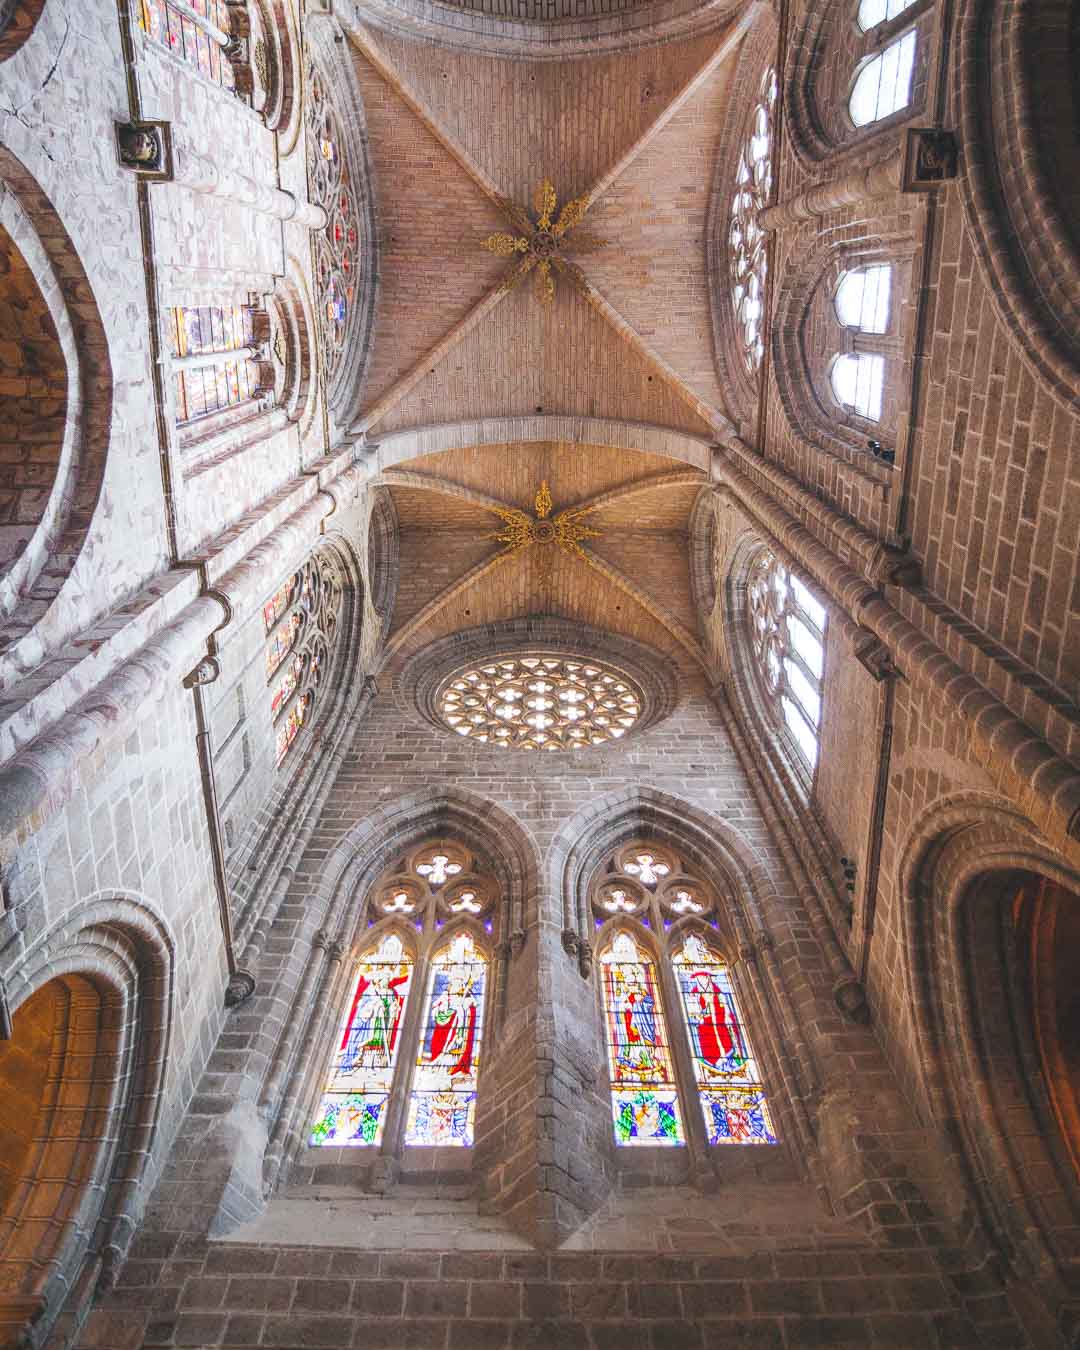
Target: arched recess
(757,56)
(1018,96)
(92,1007)
(807,337)
(337,915)
(982,896)
(18,18)
(729,864)
(827,49)
(54,431)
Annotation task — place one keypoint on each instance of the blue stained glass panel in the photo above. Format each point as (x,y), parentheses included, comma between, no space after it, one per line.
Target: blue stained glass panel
(737,1116)
(650,1118)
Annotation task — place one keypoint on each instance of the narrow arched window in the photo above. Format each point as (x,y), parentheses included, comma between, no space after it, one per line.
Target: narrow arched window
(874,12)
(653,968)
(442,1107)
(728,1079)
(644,1098)
(883,85)
(197,31)
(405,1062)
(353,1107)
(863,296)
(301,621)
(858,381)
(788,634)
(218,359)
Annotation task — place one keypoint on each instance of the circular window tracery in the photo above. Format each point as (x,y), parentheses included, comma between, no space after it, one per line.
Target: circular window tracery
(753,185)
(541,703)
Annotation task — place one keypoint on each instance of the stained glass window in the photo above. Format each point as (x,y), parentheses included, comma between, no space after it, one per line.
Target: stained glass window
(224,336)
(543,702)
(301,621)
(883,85)
(788,633)
(435,1057)
(337,248)
(200,44)
(442,1107)
(353,1106)
(728,1080)
(645,885)
(644,1098)
(746,239)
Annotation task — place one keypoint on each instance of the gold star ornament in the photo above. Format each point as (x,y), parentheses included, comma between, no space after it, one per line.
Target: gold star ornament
(542,244)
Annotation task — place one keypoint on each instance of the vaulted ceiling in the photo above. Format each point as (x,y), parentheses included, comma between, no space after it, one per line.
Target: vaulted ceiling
(618,330)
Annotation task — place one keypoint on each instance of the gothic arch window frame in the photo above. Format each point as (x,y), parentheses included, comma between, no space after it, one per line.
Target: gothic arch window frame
(756,57)
(957,873)
(280,363)
(807,396)
(782,687)
(818,122)
(428,914)
(340,182)
(198,48)
(662,912)
(300,662)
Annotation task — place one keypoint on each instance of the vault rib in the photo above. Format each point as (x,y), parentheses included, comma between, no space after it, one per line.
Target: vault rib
(424,616)
(659,611)
(693,84)
(429,482)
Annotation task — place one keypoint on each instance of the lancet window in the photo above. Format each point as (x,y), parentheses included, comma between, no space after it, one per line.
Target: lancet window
(219,359)
(673,1026)
(787,627)
(301,621)
(746,239)
(883,85)
(406,1058)
(197,31)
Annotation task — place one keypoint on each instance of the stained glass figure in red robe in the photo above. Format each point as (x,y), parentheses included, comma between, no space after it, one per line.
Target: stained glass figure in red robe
(443,1102)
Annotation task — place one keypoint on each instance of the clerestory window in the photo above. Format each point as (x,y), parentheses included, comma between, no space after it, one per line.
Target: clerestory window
(406,1059)
(746,239)
(863,298)
(301,621)
(197,31)
(677,1046)
(858,383)
(787,626)
(218,359)
(883,84)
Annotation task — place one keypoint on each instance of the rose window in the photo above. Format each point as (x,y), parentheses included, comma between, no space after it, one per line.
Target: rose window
(753,184)
(541,703)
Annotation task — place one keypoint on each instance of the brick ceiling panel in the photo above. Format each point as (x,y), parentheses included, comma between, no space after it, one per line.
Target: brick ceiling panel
(514,472)
(524,357)
(656,213)
(519,587)
(572,120)
(426,204)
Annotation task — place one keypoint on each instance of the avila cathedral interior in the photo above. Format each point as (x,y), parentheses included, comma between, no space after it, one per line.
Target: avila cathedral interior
(539,674)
